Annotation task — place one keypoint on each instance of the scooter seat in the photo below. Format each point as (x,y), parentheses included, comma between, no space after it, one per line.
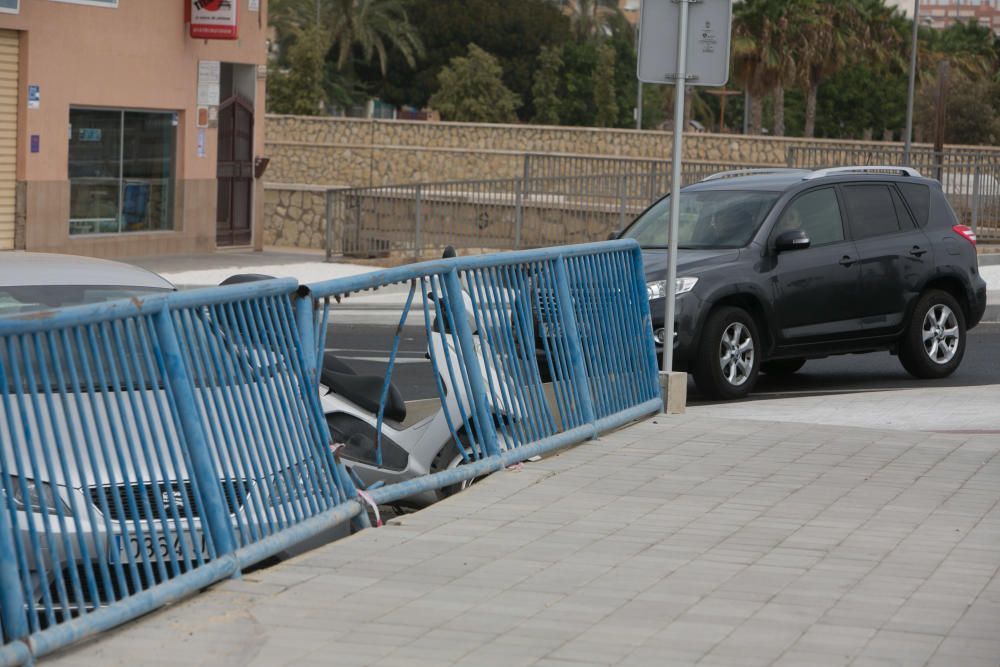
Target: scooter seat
(365,391)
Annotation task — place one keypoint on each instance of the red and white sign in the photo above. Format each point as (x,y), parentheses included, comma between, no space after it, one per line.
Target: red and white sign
(214,19)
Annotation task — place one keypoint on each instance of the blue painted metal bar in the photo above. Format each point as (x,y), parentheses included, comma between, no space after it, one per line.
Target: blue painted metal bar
(216,515)
(305,320)
(145,305)
(387,381)
(462,473)
(399,274)
(576,360)
(487,430)
(15,654)
(651,363)
(12,603)
(106,618)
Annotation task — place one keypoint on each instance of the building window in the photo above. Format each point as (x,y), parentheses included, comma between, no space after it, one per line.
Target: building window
(9,6)
(121,171)
(95,3)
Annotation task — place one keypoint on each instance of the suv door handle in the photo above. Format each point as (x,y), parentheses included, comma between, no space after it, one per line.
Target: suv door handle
(917,251)
(847,260)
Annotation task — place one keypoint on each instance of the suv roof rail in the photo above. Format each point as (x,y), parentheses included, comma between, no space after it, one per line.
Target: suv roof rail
(868,169)
(753,171)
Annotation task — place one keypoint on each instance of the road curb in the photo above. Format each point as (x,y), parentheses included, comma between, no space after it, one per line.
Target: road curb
(992,314)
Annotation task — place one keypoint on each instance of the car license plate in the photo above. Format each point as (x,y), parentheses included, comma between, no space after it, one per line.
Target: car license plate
(162,546)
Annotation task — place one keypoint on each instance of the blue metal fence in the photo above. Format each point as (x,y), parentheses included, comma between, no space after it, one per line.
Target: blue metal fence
(151,447)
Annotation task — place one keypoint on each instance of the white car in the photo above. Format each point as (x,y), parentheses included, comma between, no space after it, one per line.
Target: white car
(126,507)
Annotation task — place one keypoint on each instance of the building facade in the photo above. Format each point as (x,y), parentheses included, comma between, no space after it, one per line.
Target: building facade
(943,13)
(122,134)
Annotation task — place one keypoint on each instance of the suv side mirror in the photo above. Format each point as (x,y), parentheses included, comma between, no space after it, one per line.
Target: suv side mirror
(793,239)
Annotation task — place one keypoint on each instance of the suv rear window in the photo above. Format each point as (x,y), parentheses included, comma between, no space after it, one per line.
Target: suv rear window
(918,198)
(871,211)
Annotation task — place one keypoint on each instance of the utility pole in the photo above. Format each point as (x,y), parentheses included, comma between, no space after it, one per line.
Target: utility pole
(939,118)
(908,139)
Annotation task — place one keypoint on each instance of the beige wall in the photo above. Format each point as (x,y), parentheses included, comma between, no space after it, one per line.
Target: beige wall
(135,56)
(351,152)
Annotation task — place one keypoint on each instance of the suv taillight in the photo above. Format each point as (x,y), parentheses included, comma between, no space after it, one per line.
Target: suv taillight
(965,232)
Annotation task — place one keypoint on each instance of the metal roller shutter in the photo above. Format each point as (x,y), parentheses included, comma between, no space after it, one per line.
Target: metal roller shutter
(8,135)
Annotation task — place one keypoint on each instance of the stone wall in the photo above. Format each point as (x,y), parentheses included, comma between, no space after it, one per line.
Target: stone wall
(294,216)
(352,152)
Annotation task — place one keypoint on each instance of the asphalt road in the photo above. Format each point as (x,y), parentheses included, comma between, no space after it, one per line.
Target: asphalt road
(366,347)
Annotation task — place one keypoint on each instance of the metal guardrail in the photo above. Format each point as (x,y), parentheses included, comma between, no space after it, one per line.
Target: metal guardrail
(171,438)
(585,200)
(152,447)
(562,199)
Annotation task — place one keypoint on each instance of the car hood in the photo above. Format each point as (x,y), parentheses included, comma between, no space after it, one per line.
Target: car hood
(654,260)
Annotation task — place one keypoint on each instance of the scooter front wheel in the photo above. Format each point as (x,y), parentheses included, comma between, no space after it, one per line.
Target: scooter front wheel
(447,459)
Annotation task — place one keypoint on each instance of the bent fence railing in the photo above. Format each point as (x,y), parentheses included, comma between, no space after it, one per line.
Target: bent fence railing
(577,199)
(154,446)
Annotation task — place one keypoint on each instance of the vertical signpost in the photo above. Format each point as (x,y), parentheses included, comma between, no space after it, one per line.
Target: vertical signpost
(684,42)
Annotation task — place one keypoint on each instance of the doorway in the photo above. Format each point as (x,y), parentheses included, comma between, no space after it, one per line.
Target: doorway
(235,170)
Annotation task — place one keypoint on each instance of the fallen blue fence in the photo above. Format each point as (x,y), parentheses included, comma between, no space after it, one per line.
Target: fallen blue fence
(152,447)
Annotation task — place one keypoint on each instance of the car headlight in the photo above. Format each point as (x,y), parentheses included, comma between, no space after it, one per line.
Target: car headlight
(658,289)
(40,497)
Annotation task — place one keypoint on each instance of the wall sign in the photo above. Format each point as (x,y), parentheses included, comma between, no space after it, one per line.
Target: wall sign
(36,141)
(209,81)
(34,97)
(214,19)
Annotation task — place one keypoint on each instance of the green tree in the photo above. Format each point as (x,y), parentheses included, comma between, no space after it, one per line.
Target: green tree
(472,90)
(366,30)
(513,30)
(545,89)
(300,88)
(604,87)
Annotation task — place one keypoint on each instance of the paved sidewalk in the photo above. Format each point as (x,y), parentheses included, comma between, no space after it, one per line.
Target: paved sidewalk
(677,541)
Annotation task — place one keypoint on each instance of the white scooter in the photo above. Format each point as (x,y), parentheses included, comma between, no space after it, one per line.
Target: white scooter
(351,404)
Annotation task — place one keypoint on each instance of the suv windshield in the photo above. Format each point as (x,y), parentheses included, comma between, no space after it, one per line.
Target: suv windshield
(708,219)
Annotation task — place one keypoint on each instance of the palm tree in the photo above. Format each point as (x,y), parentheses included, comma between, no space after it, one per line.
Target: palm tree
(841,32)
(591,18)
(374,27)
(757,55)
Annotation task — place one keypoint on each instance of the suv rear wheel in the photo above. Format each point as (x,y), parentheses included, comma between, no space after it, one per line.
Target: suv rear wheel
(728,360)
(934,342)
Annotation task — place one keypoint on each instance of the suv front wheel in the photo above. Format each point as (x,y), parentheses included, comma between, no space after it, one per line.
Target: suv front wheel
(728,359)
(934,342)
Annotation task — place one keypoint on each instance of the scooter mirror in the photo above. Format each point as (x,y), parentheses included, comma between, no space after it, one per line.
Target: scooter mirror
(449,252)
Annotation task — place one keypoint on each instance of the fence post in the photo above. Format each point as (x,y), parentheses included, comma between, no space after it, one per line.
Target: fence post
(621,201)
(975,199)
(305,321)
(328,241)
(416,232)
(216,512)
(576,359)
(487,429)
(519,212)
(12,606)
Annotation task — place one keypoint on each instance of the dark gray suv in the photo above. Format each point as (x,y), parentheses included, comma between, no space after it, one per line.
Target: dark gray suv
(780,266)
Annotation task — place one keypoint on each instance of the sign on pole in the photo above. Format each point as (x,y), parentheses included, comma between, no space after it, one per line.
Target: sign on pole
(709,28)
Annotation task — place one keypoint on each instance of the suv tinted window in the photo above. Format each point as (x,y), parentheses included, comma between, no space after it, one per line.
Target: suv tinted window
(902,214)
(817,213)
(871,211)
(919,199)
